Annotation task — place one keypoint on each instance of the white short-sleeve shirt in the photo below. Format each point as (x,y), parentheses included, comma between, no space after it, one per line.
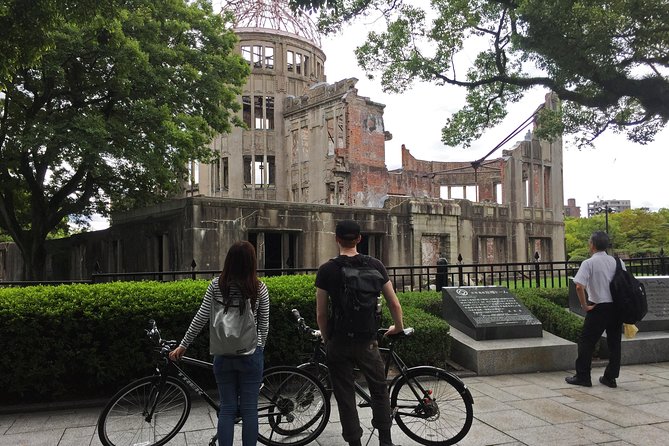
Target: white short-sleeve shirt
(595,275)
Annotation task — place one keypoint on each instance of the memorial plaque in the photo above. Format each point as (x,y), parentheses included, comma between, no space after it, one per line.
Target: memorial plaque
(657,294)
(488,312)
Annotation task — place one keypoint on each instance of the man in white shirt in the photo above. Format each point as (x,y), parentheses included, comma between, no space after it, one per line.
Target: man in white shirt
(594,276)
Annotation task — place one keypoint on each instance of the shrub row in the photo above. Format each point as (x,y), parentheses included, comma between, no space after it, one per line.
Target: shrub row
(73,341)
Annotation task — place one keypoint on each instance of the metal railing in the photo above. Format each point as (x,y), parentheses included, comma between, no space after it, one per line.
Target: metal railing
(416,277)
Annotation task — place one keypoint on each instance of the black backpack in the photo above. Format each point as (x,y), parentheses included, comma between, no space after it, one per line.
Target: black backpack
(629,295)
(357,314)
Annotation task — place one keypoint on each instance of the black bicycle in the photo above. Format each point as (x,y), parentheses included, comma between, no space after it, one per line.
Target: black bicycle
(293,407)
(430,405)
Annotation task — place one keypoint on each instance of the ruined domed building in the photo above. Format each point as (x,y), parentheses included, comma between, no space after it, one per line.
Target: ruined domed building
(313,152)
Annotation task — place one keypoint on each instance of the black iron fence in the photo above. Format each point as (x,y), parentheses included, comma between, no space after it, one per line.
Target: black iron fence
(425,277)
(418,277)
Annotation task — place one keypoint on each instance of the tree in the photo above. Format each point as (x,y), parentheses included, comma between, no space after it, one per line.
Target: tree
(110,113)
(20,45)
(607,61)
(633,232)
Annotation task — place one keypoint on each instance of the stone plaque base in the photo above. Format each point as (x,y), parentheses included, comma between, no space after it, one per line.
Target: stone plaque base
(657,294)
(498,357)
(488,312)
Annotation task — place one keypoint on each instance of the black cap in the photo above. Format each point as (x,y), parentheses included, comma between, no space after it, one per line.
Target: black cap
(347,230)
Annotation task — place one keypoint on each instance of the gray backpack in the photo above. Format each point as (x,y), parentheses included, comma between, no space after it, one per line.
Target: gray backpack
(232,327)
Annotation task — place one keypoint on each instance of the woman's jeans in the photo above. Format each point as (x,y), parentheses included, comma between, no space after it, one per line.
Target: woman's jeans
(238,379)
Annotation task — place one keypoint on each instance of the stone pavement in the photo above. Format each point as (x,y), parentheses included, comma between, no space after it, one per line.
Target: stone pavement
(521,409)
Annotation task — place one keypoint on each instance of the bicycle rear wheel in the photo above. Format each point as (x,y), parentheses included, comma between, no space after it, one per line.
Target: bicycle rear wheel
(432,406)
(293,408)
(319,371)
(144,413)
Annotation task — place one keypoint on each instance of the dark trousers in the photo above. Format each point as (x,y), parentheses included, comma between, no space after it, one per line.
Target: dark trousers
(604,317)
(342,356)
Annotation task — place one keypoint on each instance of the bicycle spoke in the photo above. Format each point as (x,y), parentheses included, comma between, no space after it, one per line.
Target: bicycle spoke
(441,416)
(292,408)
(142,416)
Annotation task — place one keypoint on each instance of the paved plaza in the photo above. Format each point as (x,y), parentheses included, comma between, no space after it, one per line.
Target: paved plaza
(521,409)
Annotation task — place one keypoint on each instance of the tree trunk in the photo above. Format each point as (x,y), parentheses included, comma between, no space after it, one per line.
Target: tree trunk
(34,259)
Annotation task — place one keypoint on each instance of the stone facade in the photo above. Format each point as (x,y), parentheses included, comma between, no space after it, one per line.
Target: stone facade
(312,153)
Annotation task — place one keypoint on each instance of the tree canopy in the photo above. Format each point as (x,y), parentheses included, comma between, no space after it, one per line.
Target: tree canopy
(109,111)
(633,232)
(608,61)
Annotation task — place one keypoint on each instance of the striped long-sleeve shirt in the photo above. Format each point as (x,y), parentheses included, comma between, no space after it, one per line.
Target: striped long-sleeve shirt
(203,313)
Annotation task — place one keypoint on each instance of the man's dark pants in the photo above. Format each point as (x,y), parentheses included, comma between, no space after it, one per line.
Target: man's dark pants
(342,355)
(604,317)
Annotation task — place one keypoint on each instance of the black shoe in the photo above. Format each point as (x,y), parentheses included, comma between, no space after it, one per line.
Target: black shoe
(576,381)
(610,382)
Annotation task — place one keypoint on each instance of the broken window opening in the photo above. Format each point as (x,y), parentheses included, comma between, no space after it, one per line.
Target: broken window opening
(264,170)
(329,123)
(226,173)
(340,134)
(498,193)
(269,112)
(246,110)
(306,65)
(259,171)
(258,112)
(547,187)
(246,53)
(298,63)
(216,176)
(269,57)
(456,192)
(247,169)
(471,193)
(194,175)
(257,56)
(290,58)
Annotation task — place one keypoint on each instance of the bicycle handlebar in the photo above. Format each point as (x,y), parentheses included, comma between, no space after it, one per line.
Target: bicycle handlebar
(164,345)
(304,328)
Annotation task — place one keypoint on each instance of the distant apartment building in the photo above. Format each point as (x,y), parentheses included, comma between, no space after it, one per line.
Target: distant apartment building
(598,207)
(571,210)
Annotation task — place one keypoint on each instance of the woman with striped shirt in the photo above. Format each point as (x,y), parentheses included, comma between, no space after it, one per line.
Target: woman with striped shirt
(238,377)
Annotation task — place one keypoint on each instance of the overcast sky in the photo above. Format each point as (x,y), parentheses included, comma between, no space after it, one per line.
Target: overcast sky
(615,169)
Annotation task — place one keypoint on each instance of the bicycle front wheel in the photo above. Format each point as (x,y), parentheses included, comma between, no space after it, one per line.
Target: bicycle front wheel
(144,413)
(432,406)
(293,408)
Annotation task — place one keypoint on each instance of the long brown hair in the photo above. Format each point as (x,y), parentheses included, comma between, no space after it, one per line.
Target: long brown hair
(240,269)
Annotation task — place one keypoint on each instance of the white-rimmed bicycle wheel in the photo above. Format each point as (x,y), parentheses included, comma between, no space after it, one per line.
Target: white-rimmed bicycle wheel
(432,407)
(293,408)
(144,413)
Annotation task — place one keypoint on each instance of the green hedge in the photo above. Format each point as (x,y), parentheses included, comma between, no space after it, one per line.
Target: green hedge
(74,341)
(556,319)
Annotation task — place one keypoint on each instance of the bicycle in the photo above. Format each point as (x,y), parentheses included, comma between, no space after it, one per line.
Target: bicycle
(430,405)
(292,408)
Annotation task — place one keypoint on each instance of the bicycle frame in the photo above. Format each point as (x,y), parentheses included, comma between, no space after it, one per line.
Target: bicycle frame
(192,384)
(391,358)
